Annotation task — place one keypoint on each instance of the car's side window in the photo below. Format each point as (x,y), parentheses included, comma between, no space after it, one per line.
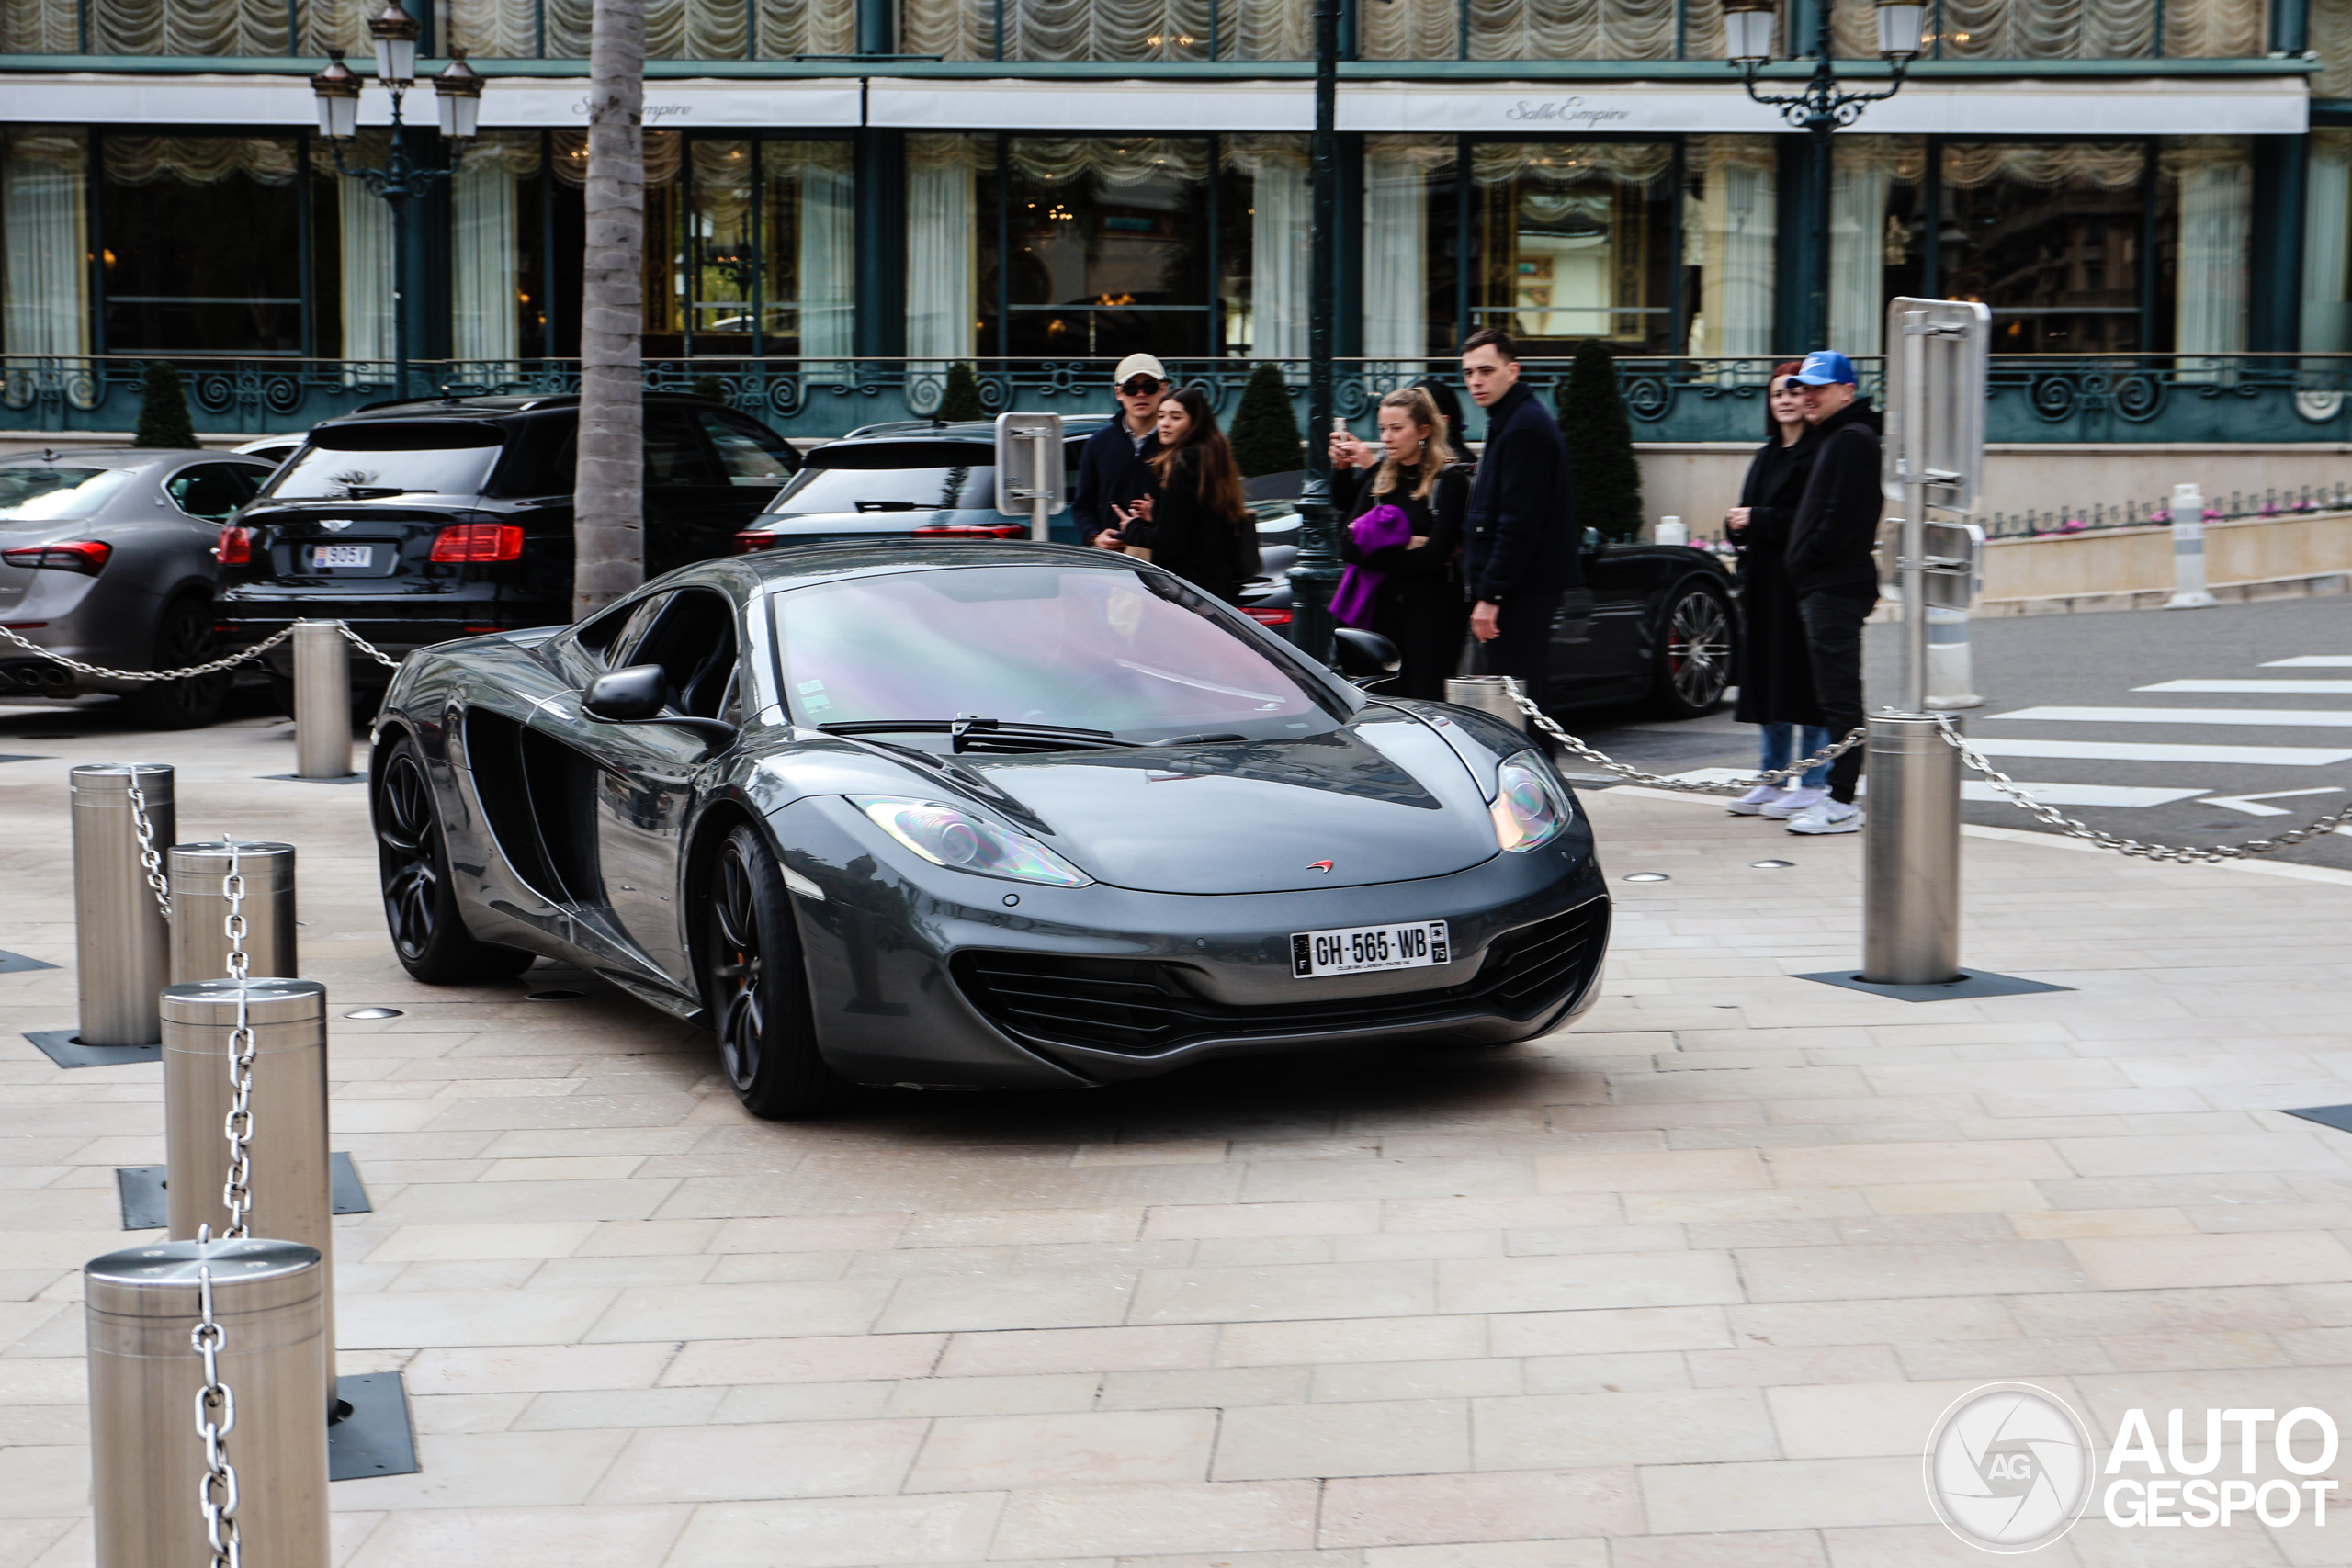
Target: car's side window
(693,641)
(750,454)
(675,458)
(211,491)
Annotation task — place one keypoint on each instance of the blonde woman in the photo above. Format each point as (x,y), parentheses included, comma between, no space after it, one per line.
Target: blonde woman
(1407,568)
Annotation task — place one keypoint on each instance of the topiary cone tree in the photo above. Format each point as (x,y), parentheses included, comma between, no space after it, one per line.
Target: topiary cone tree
(162,410)
(1607,478)
(1265,432)
(960,401)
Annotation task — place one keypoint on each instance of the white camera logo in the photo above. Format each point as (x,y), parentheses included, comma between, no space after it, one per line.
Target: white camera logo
(2009,1467)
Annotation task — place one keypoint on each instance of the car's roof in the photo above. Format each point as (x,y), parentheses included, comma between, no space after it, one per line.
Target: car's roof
(982,432)
(494,405)
(113,456)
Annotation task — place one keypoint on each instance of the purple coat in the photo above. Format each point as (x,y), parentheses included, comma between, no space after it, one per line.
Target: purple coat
(1358,590)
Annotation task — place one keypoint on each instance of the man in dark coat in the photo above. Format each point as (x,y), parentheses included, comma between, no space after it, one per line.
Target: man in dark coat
(1520,549)
(1114,466)
(1831,567)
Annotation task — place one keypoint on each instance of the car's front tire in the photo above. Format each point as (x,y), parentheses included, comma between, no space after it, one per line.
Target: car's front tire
(757,987)
(1693,652)
(429,934)
(184,637)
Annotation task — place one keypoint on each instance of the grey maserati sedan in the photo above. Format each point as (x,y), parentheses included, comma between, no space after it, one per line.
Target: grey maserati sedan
(107,557)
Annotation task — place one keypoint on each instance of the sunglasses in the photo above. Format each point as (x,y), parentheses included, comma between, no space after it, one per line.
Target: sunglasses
(1137,386)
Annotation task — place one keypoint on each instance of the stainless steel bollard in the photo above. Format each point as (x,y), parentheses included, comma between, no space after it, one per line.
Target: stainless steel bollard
(291,1178)
(1493,694)
(1911,855)
(2190,588)
(146,1460)
(322,701)
(121,945)
(200,910)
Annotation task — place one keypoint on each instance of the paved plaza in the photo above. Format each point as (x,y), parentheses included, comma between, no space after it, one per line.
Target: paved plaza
(1685,1286)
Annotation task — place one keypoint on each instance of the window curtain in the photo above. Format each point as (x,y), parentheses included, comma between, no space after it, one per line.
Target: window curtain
(1279,241)
(2328,246)
(1573,29)
(1108,30)
(484,246)
(44,242)
(1864,169)
(40,27)
(1396,172)
(826,246)
(2331,35)
(2071,29)
(1408,29)
(943,253)
(2214,179)
(1734,233)
(364,224)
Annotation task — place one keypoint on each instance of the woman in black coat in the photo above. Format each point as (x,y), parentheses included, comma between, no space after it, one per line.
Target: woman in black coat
(1195,522)
(1420,604)
(1776,668)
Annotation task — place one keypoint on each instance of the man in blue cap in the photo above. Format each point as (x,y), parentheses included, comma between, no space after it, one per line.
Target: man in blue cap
(1831,567)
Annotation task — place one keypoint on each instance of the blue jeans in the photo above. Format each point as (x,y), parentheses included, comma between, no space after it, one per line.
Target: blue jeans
(1783,746)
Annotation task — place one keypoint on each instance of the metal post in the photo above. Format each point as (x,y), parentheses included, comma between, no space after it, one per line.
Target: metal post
(1911,857)
(147,1463)
(200,910)
(1494,694)
(290,1179)
(1913,550)
(2189,589)
(121,945)
(1049,452)
(322,701)
(1318,571)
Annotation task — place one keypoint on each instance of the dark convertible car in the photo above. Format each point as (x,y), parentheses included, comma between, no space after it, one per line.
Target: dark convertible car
(971,814)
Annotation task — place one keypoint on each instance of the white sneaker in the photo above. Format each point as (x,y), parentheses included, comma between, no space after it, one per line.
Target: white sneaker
(1827,816)
(1760,801)
(1796,802)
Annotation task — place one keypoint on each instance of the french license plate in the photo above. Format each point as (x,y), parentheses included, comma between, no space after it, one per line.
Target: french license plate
(1357,950)
(327,556)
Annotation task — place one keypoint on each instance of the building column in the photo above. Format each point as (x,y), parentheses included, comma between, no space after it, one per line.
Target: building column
(1798,259)
(879,190)
(876,35)
(2273,307)
(1347,338)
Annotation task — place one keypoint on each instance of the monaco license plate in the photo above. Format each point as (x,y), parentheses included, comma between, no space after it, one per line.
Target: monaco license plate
(327,556)
(1356,950)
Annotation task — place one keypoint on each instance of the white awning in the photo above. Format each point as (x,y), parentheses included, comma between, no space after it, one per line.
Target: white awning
(528,102)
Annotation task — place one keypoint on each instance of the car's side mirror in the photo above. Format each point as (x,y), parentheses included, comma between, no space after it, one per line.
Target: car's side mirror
(627,696)
(1363,655)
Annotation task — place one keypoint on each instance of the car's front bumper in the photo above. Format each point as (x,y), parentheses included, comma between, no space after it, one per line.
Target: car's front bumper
(940,977)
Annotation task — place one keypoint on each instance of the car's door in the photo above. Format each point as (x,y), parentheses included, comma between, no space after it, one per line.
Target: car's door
(708,474)
(1598,639)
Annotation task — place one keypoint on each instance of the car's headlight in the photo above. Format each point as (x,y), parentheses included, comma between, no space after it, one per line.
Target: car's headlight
(1530,809)
(953,837)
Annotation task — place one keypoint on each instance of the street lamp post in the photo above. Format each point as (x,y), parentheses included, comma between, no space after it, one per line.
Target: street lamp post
(456,94)
(1318,571)
(1818,110)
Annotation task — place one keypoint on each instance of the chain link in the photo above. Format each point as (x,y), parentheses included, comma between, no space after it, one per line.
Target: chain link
(369,648)
(2073,828)
(237,1192)
(214,668)
(151,860)
(1544,722)
(216,1417)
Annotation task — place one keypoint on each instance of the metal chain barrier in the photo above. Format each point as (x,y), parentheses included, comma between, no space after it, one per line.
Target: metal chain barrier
(216,1417)
(214,668)
(1544,722)
(236,1194)
(369,648)
(150,858)
(2073,827)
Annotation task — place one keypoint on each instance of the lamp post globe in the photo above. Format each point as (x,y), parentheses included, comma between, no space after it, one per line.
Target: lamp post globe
(457,95)
(1898,28)
(395,34)
(337,91)
(1747,30)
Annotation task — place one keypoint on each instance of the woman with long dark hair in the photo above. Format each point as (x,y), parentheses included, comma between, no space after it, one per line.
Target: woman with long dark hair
(1776,666)
(1195,522)
(1403,544)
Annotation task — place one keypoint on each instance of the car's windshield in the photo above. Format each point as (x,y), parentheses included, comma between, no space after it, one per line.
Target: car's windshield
(359,463)
(34,495)
(1092,648)
(815,488)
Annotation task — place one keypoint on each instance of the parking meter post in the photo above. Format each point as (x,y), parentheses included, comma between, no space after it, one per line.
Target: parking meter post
(147,1463)
(2190,589)
(322,701)
(1911,855)
(1030,479)
(200,910)
(290,1179)
(121,942)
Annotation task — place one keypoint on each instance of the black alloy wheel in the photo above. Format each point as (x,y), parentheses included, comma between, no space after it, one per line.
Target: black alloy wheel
(756,987)
(1693,652)
(420,903)
(184,637)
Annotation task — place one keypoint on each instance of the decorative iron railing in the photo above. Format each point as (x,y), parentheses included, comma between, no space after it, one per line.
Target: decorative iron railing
(2230,398)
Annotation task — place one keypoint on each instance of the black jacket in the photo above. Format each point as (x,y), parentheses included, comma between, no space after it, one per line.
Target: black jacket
(1421,607)
(1835,525)
(1776,663)
(1202,547)
(1111,472)
(1520,533)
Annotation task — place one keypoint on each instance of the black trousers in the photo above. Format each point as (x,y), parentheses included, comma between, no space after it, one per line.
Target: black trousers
(1833,635)
(1521,648)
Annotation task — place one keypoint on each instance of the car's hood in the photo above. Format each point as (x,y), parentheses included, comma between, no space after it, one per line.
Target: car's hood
(1383,799)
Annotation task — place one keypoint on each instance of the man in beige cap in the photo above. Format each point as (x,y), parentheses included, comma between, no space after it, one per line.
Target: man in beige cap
(1114,466)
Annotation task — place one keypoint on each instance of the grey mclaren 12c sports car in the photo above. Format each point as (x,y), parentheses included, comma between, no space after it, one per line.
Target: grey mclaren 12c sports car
(970,815)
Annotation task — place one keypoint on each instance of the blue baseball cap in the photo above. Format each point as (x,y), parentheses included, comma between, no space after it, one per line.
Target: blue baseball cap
(1822,367)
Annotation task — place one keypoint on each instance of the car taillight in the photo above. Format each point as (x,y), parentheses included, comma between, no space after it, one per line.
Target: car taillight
(1269,618)
(478,542)
(745,542)
(235,548)
(974,531)
(87,557)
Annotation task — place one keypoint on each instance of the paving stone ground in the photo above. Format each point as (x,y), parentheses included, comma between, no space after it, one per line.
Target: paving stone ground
(1682,1287)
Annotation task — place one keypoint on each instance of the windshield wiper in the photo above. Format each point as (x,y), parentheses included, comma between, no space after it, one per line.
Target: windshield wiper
(888,506)
(969,732)
(1197,740)
(368,492)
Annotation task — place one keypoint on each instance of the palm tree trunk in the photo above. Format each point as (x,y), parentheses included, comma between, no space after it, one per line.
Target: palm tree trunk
(608,496)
